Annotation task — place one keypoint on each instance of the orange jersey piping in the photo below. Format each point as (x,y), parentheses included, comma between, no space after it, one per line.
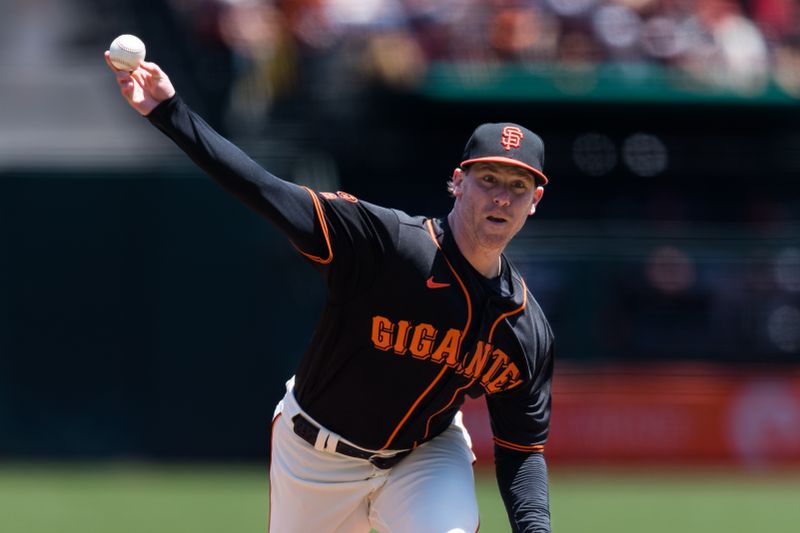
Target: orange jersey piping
(519,447)
(455,395)
(413,407)
(429,225)
(491,334)
(499,441)
(324,225)
(514,312)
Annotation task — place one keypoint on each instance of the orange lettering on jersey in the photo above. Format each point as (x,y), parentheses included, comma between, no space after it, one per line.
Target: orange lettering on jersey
(491,365)
(448,347)
(422,341)
(500,359)
(475,366)
(382,332)
(507,378)
(346,196)
(401,341)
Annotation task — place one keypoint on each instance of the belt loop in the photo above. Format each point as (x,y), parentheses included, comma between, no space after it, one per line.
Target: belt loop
(330,443)
(322,439)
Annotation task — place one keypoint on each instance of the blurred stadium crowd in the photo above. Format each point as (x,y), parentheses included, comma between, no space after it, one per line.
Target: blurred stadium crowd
(726,44)
(676,286)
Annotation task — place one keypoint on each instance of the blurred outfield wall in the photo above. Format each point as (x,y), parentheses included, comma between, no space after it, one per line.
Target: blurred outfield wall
(666,414)
(142,317)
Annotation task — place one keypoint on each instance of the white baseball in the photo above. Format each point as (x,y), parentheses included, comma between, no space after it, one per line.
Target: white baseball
(126,52)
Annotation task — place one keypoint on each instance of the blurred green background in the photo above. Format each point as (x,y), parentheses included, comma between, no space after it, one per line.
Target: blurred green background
(179,498)
(148,321)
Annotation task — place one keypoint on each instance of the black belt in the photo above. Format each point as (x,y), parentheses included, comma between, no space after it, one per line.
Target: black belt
(307,431)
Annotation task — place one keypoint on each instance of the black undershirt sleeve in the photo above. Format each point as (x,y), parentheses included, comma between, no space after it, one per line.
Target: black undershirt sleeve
(286,204)
(522,480)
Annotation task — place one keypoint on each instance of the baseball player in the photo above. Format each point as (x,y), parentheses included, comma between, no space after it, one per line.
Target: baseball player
(421,312)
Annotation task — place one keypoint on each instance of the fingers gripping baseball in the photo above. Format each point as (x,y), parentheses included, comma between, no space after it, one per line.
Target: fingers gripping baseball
(143,88)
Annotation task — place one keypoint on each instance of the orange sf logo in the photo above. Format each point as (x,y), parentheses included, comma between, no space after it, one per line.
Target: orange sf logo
(512,137)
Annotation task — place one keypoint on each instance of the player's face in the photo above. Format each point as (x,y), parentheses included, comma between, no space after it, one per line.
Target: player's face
(493,201)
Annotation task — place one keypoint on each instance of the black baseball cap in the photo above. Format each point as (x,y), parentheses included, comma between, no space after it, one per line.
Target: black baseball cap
(509,143)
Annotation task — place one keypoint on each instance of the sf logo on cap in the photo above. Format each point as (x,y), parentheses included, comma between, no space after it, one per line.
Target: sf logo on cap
(511,138)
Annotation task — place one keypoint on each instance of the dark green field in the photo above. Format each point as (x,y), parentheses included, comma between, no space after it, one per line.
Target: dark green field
(148,498)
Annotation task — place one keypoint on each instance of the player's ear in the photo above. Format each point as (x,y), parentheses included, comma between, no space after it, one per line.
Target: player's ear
(457,181)
(538,192)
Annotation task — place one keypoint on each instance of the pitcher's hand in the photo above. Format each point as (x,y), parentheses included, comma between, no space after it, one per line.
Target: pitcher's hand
(145,87)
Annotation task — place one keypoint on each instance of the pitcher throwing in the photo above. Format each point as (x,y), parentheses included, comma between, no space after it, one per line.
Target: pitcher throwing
(420,313)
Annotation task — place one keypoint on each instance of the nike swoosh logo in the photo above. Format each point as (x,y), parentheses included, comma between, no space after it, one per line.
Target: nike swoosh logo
(435,285)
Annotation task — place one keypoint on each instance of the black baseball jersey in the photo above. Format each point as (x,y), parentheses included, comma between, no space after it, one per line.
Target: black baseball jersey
(409,327)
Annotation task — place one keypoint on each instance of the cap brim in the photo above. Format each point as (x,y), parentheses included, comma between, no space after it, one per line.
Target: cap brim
(507,161)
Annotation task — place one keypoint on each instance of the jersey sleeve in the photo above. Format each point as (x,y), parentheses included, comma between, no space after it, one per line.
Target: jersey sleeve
(346,238)
(520,418)
(291,208)
(359,236)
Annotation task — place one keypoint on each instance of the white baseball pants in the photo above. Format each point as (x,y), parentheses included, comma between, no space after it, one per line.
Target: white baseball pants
(314,490)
